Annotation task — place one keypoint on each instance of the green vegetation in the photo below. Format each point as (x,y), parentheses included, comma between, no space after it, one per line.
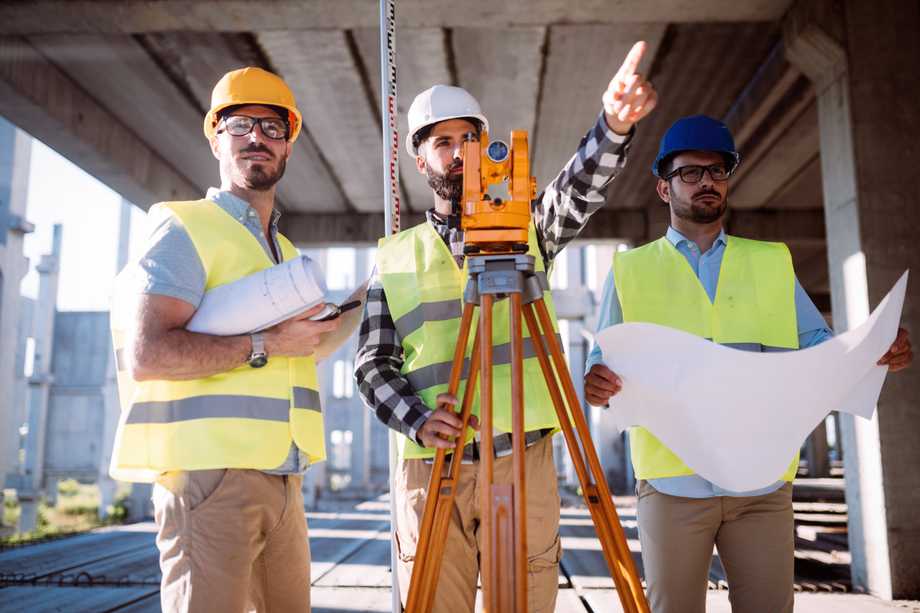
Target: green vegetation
(77,510)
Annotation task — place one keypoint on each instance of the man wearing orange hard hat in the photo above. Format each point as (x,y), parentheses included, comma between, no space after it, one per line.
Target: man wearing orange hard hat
(224,425)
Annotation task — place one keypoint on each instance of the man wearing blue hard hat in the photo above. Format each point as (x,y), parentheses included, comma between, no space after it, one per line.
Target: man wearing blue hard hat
(738,292)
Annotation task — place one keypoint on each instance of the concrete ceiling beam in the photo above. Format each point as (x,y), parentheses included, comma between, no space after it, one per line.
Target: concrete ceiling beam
(127,82)
(422,60)
(38,96)
(135,16)
(571,88)
(334,96)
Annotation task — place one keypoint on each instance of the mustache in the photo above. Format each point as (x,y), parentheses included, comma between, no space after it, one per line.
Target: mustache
(706,192)
(257,148)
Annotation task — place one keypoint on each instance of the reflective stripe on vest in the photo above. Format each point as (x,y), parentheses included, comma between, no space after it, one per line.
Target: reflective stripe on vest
(424,292)
(754,310)
(242,418)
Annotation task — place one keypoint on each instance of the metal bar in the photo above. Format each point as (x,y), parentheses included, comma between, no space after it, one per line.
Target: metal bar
(390,221)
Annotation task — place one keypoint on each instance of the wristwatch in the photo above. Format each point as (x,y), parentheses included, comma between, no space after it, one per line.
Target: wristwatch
(258,358)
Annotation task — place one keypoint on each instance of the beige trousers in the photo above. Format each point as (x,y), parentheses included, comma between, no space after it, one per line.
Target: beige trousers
(232,541)
(460,566)
(753,535)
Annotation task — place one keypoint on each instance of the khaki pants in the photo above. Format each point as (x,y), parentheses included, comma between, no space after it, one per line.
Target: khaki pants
(754,536)
(460,566)
(232,541)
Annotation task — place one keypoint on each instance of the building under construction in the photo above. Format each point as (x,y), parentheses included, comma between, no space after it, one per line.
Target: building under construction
(819,95)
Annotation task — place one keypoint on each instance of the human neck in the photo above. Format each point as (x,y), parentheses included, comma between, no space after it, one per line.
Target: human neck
(703,234)
(263,202)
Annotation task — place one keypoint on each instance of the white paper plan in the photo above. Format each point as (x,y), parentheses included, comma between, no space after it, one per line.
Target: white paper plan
(735,417)
(260,300)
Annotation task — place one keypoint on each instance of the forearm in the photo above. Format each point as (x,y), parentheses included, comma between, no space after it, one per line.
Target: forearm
(178,354)
(580,189)
(378,366)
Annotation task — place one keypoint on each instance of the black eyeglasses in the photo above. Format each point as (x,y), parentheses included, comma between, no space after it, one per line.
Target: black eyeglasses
(241,125)
(694,174)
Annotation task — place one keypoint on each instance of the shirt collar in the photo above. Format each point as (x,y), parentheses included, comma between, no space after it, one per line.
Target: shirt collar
(236,206)
(442,221)
(676,238)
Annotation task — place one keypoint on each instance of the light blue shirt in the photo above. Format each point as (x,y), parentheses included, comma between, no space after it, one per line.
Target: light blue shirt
(811,327)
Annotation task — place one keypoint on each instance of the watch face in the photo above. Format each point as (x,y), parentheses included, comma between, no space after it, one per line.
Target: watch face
(258,361)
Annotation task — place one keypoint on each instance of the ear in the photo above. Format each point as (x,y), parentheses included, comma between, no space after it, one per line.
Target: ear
(664,190)
(288,150)
(215,146)
(420,164)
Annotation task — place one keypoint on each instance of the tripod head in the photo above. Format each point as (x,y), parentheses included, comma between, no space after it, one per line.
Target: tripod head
(493,225)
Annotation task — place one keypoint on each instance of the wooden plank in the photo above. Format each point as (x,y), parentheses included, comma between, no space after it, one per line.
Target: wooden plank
(138,566)
(322,72)
(570,94)
(336,537)
(71,599)
(421,60)
(64,555)
(366,566)
(349,600)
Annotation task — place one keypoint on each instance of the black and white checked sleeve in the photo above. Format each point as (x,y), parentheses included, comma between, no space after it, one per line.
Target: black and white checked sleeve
(580,189)
(378,361)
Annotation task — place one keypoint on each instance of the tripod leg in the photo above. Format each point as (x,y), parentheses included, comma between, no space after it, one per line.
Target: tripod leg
(519,492)
(594,485)
(430,548)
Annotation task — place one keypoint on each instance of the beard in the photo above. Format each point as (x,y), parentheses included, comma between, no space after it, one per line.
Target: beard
(699,212)
(259,176)
(447,186)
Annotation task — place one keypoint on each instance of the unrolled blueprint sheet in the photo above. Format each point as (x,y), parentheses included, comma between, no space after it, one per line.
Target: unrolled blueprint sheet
(736,417)
(260,300)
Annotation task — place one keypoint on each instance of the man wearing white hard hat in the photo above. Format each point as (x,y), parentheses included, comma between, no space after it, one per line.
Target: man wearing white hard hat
(224,425)
(411,323)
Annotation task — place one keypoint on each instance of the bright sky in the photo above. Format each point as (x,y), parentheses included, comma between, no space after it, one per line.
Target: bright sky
(59,192)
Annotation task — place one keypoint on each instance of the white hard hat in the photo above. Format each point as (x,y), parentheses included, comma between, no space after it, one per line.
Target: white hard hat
(440,103)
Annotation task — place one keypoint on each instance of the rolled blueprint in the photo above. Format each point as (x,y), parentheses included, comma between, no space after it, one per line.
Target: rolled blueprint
(736,417)
(261,300)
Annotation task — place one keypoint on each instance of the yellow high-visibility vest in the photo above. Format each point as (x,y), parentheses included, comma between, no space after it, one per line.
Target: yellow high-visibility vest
(424,291)
(243,418)
(754,309)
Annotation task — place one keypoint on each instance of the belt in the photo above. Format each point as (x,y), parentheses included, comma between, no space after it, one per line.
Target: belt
(501,445)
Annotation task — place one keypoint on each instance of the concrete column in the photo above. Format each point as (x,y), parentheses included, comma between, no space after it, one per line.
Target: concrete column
(858,55)
(40,385)
(15,154)
(816,452)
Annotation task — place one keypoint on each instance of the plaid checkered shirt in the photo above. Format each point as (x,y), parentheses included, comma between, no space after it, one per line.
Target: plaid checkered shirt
(559,214)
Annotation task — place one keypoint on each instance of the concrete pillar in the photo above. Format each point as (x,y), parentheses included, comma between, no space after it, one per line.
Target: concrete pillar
(15,154)
(858,55)
(816,451)
(40,385)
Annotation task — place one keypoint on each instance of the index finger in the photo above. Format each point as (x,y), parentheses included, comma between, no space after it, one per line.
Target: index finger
(631,63)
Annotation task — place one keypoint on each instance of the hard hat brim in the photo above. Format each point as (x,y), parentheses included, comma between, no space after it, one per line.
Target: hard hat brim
(484,123)
(210,119)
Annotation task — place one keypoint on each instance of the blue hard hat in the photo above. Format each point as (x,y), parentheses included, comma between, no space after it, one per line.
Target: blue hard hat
(697,133)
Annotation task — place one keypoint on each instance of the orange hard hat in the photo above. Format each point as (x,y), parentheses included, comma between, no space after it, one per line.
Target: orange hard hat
(252,85)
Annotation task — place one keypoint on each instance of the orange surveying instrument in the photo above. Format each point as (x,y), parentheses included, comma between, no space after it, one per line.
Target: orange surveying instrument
(499,266)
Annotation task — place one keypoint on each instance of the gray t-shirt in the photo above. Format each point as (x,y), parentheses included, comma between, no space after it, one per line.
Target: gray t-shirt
(170,266)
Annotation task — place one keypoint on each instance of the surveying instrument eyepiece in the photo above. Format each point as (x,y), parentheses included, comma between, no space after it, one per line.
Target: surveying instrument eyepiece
(501,265)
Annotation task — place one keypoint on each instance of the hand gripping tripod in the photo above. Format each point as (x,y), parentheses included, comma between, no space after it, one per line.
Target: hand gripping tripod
(504,553)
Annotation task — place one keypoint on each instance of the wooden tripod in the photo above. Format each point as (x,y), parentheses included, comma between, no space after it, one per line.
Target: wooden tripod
(504,551)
